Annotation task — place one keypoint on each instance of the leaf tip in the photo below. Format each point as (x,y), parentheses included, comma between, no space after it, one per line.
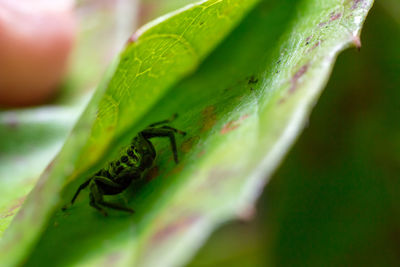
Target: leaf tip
(357,42)
(247,213)
(133,38)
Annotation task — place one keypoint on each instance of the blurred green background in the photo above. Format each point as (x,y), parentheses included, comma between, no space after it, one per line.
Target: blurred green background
(335,199)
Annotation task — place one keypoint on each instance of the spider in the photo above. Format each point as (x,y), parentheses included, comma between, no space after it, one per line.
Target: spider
(117,175)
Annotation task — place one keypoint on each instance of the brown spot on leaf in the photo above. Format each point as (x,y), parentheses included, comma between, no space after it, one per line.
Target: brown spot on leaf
(14,208)
(201,153)
(110,129)
(152,173)
(232,125)
(174,227)
(335,16)
(322,24)
(189,143)
(50,166)
(314,46)
(245,116)
(356,3)
(209,118)
(176,170)
(133,38)
(295,79)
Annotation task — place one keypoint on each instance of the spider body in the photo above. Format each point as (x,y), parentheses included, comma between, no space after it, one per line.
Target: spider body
(118,174)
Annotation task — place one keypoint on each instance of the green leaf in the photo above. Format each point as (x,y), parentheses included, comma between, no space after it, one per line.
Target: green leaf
(242,108)
(30,138)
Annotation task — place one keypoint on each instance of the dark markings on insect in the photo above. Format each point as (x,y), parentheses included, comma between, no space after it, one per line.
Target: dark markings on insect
(117,175)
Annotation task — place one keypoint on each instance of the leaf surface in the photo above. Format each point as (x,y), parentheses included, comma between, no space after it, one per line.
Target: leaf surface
(242,107)
(29,139)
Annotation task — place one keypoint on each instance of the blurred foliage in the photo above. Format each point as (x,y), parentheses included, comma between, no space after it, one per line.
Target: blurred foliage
(103,29)
(334,201)
(25,153)
(31,137)
(151,9)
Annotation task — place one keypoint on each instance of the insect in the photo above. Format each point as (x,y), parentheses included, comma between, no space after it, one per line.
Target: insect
(137,157)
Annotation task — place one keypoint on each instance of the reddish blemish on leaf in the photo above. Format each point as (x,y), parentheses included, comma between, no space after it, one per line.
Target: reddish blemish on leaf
(308,39)
(245,116)
(201,153)
(13,209)
(174,227)
(232,125)
(176,170)
(209,118)
(355,3)
(152,173)
(50,166)
(189,143)
(335,16)
(314,46)
(295,79)
(133,38)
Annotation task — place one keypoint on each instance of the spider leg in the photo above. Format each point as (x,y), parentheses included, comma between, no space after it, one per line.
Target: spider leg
(162,132)
(100,181)
(96,196)
(81,187)
(116,206)
(105,181)
(164,121)
(175,130)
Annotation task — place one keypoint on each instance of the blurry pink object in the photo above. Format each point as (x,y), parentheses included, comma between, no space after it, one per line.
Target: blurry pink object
(36,38)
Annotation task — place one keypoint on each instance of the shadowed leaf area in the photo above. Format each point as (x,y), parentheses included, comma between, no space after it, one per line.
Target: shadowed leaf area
(242,77)
(334,201)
